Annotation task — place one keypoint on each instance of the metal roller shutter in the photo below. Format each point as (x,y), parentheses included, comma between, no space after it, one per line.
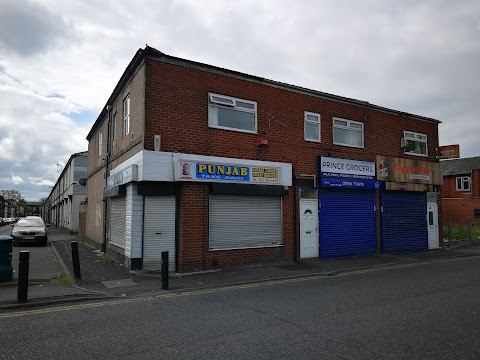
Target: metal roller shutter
(347,223)
(239,221)
(117,221)
(404,224)
(159,232)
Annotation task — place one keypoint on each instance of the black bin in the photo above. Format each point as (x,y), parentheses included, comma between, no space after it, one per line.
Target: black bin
(6,269)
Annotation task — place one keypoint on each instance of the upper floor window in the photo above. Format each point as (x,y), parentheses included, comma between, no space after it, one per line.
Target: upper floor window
(416,143)
(100,143)
(347,133)
(126,115)
(463,183)
(312,126)
(230,113)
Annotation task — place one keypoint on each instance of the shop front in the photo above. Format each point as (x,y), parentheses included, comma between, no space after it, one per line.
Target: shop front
(406,220)
(347,212)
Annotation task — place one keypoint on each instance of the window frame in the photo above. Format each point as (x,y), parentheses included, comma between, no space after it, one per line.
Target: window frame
(348,128)
(100,143)
(463,179)
(231,103)
(126,115)
(415,134)
(311,122)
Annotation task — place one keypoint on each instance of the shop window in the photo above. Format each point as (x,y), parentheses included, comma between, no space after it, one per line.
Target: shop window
(416,144)
(463,183)
(347,133)
(230,113)
(312,126)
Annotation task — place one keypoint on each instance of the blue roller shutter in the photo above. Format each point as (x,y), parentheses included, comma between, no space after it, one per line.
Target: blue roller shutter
(404,224)
(347,223)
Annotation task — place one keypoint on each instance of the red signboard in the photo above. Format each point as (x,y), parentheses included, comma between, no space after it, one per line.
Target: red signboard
(449,152)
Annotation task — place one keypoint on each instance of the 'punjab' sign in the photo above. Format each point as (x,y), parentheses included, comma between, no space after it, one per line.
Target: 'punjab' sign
(187,170)
(408,171)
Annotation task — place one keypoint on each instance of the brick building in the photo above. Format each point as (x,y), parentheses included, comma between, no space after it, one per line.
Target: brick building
(222,168)
(461,190)
(62,206)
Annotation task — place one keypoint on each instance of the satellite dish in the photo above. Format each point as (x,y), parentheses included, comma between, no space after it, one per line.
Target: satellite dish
(82,181)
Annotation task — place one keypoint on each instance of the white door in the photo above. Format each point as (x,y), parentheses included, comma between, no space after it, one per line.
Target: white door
(432,223)
(159,232)
(309,245)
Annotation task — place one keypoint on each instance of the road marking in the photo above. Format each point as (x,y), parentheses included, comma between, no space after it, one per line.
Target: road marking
(160,296)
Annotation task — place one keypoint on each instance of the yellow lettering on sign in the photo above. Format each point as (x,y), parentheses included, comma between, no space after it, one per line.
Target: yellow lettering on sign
(221,170)
(243,171)
(234,171)
(211,169)
(201,168)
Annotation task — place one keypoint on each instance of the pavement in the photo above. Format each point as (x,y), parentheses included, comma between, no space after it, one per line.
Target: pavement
(102,278)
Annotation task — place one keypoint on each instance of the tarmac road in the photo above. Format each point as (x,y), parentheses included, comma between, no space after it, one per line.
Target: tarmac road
(419,311)
(43,263)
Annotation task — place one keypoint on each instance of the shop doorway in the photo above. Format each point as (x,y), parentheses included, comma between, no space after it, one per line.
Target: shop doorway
(432,223)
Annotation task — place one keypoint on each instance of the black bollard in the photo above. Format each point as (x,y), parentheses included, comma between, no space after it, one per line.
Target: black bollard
(75,260)
(164,270)
(23,265)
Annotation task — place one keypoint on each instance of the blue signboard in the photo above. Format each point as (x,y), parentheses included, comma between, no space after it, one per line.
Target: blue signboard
(350,184)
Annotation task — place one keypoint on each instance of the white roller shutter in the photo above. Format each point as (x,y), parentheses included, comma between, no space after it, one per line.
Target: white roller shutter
(239,221)
(117,221)
(159,232)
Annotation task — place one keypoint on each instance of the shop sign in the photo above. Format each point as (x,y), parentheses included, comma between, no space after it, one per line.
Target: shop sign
(123,177)
(449,152)
(350,184)
(406,186)
(408,171)
(186,170)
(345,168)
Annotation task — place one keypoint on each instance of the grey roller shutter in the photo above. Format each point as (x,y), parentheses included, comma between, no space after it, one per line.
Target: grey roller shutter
(159,231)
(117,221)
(238,221)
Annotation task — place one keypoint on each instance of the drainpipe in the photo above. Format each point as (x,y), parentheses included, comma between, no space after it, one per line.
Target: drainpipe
(107,161)
(294,186)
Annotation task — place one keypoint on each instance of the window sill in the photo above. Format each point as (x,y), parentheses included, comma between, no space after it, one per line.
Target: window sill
(413,154)
(314,141)
(232,129)
(348,145)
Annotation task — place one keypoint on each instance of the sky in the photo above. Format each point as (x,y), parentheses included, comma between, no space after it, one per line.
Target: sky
(60,61)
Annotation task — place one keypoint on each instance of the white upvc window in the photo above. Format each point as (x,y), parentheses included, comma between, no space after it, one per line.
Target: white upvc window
(312,126)
(347,133)
(100,143)
(416,143)
(463,183)
(126,115)
(225,112)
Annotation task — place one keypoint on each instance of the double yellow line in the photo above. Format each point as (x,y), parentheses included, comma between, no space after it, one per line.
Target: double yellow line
(216,289)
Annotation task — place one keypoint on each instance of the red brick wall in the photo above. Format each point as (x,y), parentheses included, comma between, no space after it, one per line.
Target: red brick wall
(176,107)
(458,206)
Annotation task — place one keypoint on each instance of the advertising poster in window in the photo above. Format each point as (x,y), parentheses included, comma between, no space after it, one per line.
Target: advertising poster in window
(408,171)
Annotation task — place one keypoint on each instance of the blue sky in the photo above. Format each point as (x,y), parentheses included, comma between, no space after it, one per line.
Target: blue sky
(60,61)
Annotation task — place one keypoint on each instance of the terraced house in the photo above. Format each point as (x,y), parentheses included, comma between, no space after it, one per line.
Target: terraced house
(221,168)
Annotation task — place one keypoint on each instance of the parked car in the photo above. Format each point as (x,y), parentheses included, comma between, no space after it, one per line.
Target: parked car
(30,230)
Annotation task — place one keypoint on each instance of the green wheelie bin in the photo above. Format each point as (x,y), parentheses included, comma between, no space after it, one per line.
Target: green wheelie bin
(6,269)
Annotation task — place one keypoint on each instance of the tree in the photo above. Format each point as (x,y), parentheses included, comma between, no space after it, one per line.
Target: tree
(12,195)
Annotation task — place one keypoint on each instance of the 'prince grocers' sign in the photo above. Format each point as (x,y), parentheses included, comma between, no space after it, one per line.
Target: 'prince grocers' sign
(345,168)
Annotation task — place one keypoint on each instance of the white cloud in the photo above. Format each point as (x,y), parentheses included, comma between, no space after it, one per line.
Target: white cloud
(16,180)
